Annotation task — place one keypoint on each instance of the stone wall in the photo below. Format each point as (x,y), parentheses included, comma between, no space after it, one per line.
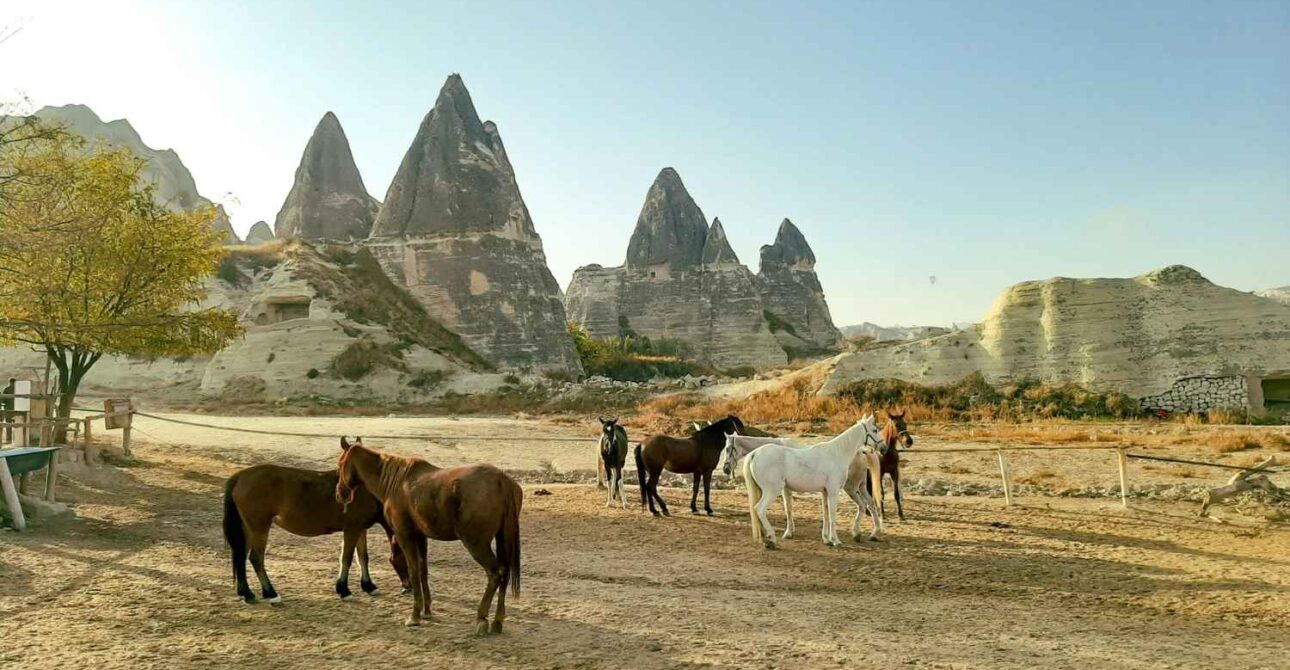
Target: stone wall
(1201,394)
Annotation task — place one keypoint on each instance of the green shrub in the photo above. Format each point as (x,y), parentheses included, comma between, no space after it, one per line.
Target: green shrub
(633,358)
(1016,401)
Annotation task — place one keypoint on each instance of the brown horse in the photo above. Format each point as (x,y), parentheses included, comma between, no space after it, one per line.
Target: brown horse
(698,454)
(889,460)
(475,504)
(301,502)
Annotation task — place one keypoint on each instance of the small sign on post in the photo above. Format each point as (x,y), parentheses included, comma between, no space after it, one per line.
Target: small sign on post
(117,413)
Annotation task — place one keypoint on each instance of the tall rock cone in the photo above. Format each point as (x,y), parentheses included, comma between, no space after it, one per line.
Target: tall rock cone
(681,281)
(671,228)
(792,294)
(328,199)
(716,248)
(259,233)
(455,230)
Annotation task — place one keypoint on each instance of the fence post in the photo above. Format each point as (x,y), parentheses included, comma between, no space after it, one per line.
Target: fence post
(90,455)
(1123,461)
(125,439)
(1003,472)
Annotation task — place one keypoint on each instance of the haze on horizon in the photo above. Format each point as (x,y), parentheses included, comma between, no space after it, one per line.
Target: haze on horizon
(982,145)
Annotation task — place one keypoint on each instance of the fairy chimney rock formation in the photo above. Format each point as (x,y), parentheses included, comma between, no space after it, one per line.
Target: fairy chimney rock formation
(455,230)
(793,296)
(328,199)
(671,228)
(259,233)
(681,280)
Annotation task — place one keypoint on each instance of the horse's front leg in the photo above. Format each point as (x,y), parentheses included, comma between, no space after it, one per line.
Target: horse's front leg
(707,492)
(694,494)
(789,526)
(609,475)
(369,587)
(348,541)
(622,492)
(831,515)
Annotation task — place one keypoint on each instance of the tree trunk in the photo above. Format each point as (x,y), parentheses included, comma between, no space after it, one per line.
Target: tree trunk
(72,366)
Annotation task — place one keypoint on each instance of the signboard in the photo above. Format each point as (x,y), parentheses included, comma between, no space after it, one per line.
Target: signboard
(116,413)
(22,387)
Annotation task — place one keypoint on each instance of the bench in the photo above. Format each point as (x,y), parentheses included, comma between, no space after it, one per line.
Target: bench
(20,461)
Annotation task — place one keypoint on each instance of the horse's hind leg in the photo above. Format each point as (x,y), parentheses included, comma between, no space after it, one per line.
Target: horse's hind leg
(768,531)
(346,559)
(789,526)
(427,596)
(707,492)
(259,542)
(484,556)
(864,503)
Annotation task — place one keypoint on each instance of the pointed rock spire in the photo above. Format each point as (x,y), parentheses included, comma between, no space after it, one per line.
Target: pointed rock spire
(717,249)
(328,199)
(790,248)
(455,177)
(259,233)
(791,292)
(671,228)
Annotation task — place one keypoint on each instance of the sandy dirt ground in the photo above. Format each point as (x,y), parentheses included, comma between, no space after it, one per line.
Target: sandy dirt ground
(140,579)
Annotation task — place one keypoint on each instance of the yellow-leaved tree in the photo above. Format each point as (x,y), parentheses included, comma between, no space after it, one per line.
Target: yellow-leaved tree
(91,265)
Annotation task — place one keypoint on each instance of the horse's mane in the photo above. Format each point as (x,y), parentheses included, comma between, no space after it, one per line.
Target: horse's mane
(717,425)
(391,469)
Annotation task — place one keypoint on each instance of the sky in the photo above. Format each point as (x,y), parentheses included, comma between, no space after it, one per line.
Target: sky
(977,143)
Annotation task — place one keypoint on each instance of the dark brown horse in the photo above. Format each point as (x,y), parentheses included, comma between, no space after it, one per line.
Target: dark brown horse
(889,460)
(301,502)
(475,504)
(697,454)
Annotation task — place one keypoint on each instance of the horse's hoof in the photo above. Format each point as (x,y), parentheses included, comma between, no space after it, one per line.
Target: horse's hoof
(481,629)
(709,513)
(275,600)
(404,591)
(496,628)
(770,545)
(247,599)
(345,597)
(412,622)
(657,515)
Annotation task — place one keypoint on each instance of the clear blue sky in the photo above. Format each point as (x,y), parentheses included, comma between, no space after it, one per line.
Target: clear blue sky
(984,143)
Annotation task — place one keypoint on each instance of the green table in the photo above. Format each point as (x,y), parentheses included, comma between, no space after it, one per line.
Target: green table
(19,462)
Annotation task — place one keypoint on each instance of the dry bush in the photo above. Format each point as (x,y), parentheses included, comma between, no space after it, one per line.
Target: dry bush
(1037,477)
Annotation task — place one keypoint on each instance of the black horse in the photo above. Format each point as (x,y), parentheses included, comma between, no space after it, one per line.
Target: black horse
(613,456)
(697,454)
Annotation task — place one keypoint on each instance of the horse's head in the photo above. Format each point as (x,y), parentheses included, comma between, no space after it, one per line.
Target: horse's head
(347,482)
(733,424)
(607,427)
(872,436)
(901,429)
(729,455)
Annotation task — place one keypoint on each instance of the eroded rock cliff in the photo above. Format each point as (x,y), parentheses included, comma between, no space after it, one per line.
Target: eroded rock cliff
(327,200)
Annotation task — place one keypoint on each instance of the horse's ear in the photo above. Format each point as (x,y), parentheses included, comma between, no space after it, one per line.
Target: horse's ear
(613,421)
(344,444)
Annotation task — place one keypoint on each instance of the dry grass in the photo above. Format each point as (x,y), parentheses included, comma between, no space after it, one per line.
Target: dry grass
(1037,477)
(1244,441)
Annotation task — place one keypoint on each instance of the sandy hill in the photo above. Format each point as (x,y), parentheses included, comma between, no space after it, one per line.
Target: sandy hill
(1139,336)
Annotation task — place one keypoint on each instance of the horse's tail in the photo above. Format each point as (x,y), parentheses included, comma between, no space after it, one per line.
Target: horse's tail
(640,474)
(234,531)
(508,538)
(754,495)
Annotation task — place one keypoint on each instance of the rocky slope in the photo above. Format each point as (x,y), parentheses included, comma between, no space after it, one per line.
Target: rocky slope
(792,295)
(327,199)
(680,280)
(1165,333)
(175,187)
(1281,295)
(455,231)
(893,333)
(321,326)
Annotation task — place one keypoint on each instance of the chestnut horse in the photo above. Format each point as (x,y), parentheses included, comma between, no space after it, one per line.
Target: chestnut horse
(698,454)
(301,502)
(475,504)
(889,460)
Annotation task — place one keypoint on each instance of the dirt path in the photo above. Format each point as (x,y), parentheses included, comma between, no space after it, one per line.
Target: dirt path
(140,580)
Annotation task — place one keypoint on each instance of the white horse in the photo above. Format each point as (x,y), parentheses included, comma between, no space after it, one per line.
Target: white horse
(772,468)
(863,465)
